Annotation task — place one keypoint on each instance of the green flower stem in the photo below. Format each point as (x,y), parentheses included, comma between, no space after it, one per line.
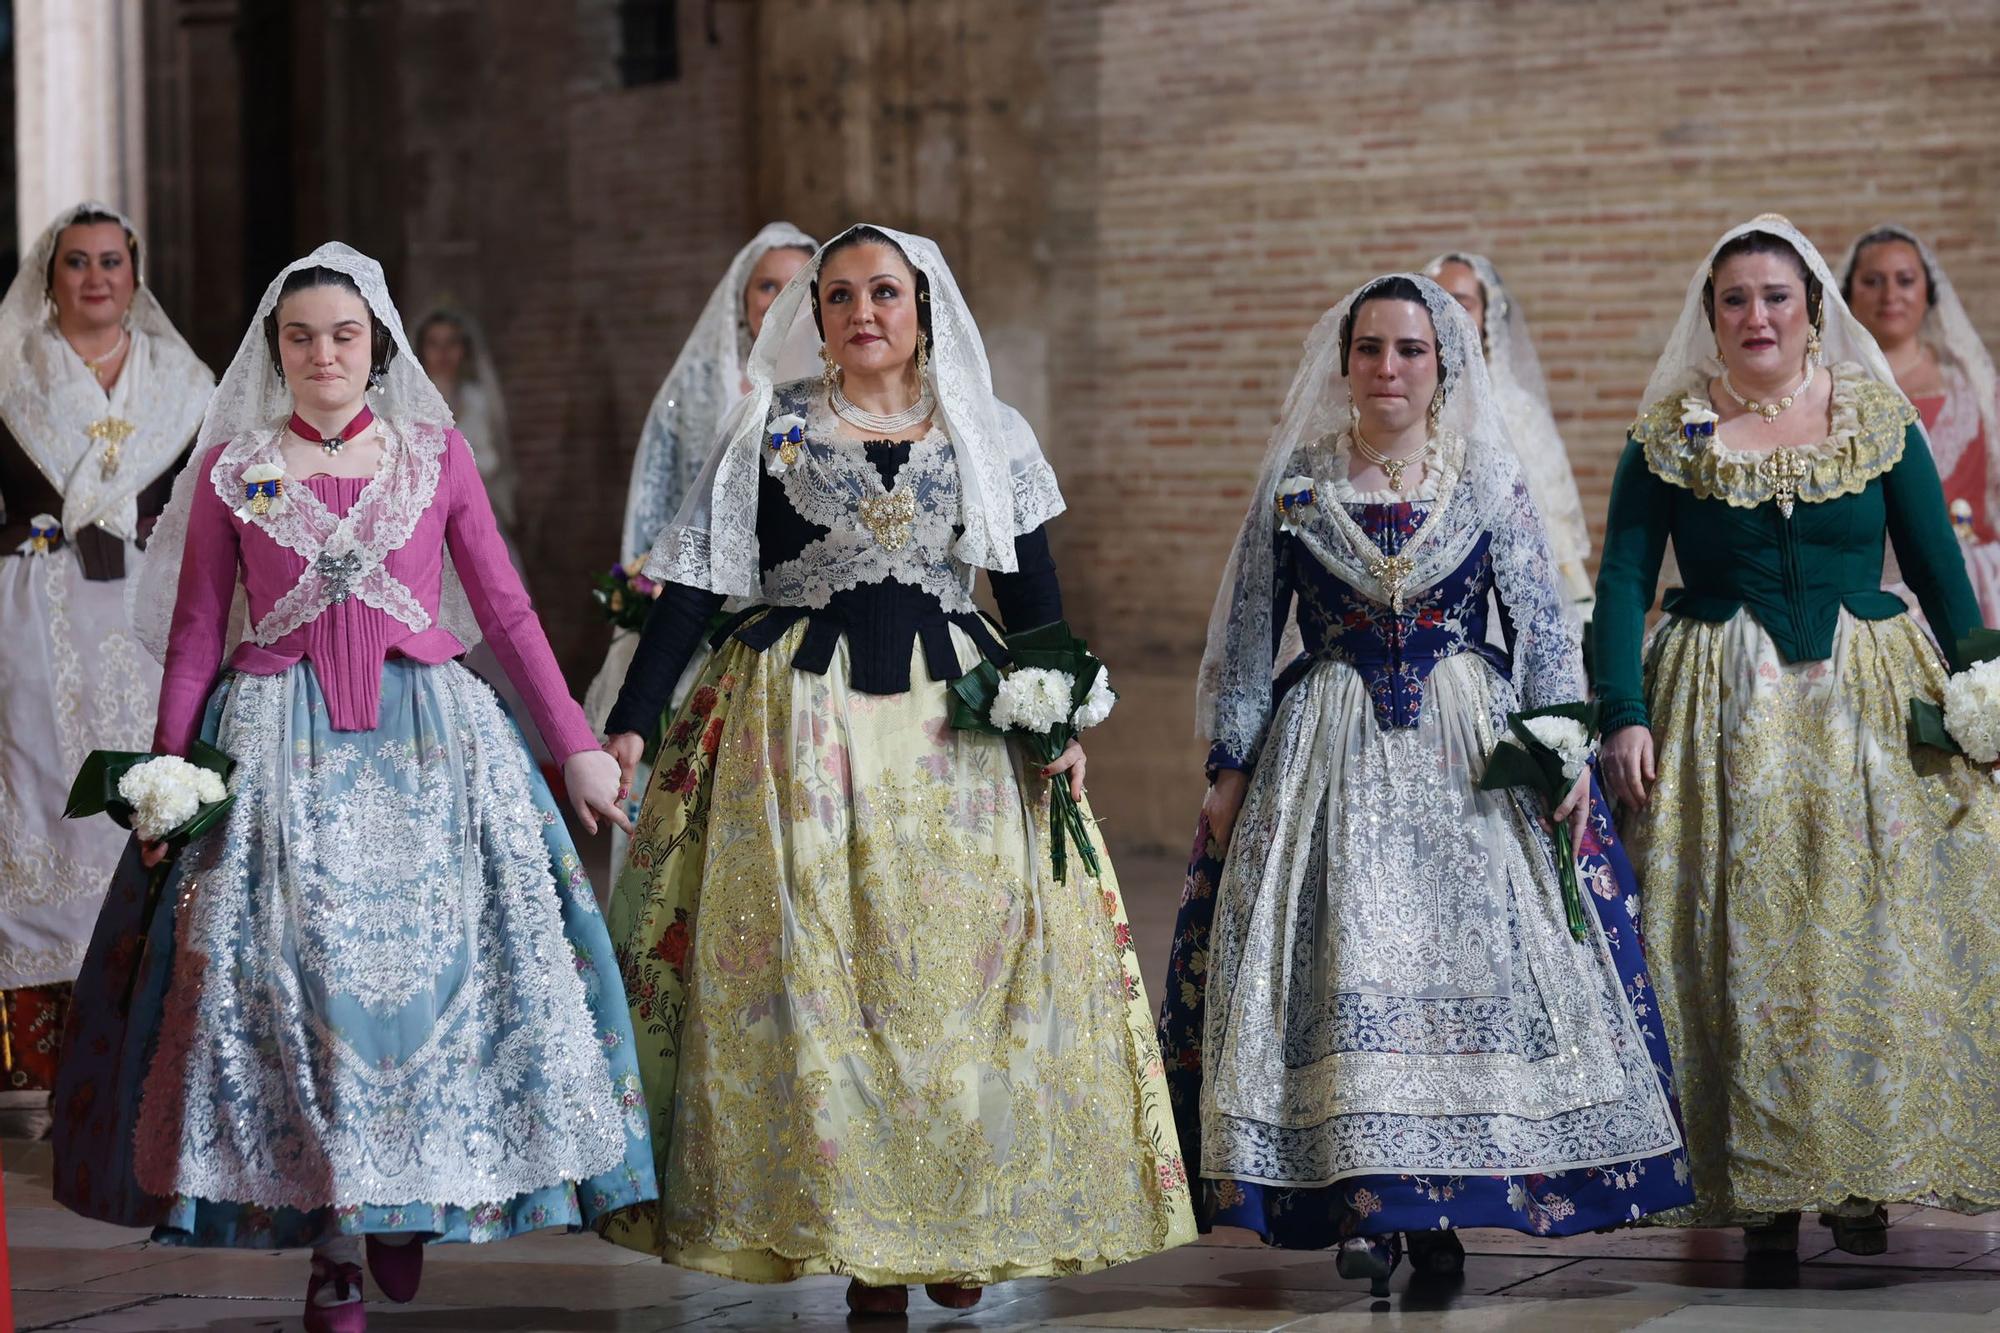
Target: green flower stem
(1066,817)
(1572,892)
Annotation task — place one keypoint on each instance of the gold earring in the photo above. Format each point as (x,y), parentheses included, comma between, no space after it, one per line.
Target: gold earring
(1812,346)
(923,360)
(829,376)
(1435,411)
(1354,416)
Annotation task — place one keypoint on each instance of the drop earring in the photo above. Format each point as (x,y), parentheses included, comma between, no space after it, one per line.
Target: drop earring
(829,375)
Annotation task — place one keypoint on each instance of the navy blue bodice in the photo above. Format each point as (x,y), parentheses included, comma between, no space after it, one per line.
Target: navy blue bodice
(1394,653)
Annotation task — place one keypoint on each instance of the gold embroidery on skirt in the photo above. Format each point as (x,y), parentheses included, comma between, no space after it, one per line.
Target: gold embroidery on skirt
(879,1037)
(1823,920)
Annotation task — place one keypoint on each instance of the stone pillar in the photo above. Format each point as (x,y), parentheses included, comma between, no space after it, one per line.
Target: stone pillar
(79,108)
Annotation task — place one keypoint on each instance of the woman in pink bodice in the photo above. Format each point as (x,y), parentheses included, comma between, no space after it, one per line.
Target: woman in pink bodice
(377,1001)
(1895,286)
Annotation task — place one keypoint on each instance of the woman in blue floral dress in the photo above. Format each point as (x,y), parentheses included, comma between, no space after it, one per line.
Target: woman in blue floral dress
(1376,1019)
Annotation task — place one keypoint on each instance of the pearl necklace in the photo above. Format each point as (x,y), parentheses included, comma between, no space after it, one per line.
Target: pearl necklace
(876,423)
(1769,411)
(96,366)
(1392,467)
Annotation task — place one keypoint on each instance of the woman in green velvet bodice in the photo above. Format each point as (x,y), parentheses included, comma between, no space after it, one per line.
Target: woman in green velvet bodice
(1821,897)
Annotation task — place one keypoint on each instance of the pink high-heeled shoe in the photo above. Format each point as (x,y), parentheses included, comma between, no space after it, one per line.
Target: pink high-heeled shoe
(397,1269)
(349,1316)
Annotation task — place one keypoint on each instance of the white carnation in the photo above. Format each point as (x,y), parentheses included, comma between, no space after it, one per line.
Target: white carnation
(1033,699)
(1567,737)
(1097,706)
(1972,711)
(165,792)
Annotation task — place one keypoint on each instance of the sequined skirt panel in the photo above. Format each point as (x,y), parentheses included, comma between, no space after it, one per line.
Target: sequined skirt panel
(879,1037)
(1823,915)
(378,997)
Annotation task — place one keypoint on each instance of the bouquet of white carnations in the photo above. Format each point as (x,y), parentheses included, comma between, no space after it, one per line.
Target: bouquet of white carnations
(160,797)
(1055,690)
(1968,720)
(1546,750)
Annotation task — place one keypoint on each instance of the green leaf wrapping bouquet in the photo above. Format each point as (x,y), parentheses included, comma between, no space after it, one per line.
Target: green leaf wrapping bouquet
(1054,690)
(1967,722)
(1545,750)
(161,798)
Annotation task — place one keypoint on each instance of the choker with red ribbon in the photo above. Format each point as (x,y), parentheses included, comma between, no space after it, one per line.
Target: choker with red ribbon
(331,444)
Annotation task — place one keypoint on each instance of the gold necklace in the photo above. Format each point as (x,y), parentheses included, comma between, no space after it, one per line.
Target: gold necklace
(1768,411)
(1391,467)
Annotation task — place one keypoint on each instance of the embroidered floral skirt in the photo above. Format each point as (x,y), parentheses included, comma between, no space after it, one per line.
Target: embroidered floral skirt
(1375,1018)
(73,678)
(378,999)
(878,1036)
(1824,920)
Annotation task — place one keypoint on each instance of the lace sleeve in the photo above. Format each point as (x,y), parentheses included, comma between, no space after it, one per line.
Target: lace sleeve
(1548,655)
(1237,682)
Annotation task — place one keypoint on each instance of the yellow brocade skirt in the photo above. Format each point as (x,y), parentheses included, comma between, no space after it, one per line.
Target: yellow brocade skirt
(878,1036)
(1822,906)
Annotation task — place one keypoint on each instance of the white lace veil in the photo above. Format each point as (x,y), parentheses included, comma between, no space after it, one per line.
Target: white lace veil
(1483,492)
(1947,330)
(49,398)
(481,410)
(1006,487)
(1510,351)
(706,378)
(253,398)
(1524,404)
(1689,359)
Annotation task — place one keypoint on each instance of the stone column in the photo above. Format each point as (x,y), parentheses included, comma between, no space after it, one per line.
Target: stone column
(79,108)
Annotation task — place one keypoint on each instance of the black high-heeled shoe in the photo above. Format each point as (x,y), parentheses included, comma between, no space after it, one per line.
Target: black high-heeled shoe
(1436,1253)
(1371,1257)
(1776,1238)
(1861,1235)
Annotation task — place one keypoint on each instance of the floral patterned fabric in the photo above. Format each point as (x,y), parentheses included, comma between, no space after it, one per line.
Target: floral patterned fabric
(1545,1204)
(378,998)
(1825,920)
(878,1036)
(31,1024)
(1375,1019)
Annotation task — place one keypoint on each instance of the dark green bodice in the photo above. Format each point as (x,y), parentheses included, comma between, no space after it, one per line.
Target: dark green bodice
(1738,550)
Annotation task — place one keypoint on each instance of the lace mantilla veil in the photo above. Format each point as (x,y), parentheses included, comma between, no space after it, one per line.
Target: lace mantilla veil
(706,378)
(1510,351)
(49,398)
(1689,360)
(1483,492)
(1523,396)
(1006,486)
(1948,331)
(251,399)
(481,412)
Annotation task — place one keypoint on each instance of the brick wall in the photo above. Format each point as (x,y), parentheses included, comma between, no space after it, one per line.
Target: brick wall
(1149,202)
(584,223)
(1225,172)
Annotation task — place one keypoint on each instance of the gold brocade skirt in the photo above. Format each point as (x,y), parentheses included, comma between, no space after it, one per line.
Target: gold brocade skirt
(878,1036)
(1822,907)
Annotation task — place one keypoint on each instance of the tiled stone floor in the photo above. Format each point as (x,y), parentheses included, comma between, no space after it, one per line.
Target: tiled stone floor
(1941,1275)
